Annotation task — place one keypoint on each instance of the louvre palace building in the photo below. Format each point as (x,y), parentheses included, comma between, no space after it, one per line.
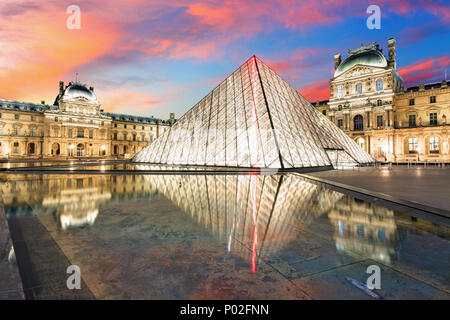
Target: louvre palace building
(368,101)
(73,127)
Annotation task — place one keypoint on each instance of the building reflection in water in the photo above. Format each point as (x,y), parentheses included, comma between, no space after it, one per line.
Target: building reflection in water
(254,215)
(367,229)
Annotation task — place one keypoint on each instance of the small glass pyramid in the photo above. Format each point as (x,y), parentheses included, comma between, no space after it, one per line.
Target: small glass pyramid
(253,119)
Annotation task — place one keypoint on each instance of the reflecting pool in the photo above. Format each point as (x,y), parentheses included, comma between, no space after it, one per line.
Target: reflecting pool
(209,236)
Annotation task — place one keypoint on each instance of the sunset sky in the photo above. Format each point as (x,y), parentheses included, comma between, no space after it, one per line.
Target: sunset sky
(148,57)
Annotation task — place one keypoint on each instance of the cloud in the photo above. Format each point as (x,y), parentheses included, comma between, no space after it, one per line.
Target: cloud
(123,100)
(318,90)
(425,71)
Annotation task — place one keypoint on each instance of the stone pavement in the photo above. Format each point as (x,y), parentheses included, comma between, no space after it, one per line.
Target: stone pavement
(429,186)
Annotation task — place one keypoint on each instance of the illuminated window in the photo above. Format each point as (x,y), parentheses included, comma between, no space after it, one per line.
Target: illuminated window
(379,84)
(358,88)
(434,145)
(412,145)
(340,91)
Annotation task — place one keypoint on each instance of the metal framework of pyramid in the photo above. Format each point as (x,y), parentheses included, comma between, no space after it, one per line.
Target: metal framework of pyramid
(253,119)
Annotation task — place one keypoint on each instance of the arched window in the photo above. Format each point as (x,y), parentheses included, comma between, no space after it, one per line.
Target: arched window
(434,145)
(412,145)
(358,122)
(379,84)
(358,88)
(340,91)
(340,107)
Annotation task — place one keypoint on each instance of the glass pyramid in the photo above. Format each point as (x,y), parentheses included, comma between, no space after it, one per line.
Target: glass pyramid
(253,119)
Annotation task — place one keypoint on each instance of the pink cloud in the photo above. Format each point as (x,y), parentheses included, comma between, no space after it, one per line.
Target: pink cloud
(425,70)
(318,90)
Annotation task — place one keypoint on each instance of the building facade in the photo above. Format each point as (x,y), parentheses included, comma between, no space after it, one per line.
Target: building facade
(73,127)
(368,101)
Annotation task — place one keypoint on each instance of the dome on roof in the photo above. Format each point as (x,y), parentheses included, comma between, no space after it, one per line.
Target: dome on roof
(78,90)
(365,55)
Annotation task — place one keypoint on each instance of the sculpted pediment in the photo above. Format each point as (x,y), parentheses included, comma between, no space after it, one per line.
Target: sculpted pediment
(358,70)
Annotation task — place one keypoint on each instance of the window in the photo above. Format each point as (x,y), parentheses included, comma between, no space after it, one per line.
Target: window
(412,145)
(151,128)
(412,102)
(360,231)
(55,132)
(379,103)
(379,121)
(434,145)
(324,112)
(56,119)
(0,115)
(134,126)
(358,88)
(16,147)
(433,119)
(358,122)
(142,127)
(80,133)
(412,120)
(340,107)
(432,99)
(125,126)
(115,136)
(340,91)
(16,131)
(33,118)
(151,138)
(91,134)
(16,116)
(340,123)
(69,133)
(134,136)
(379,84)
(115,125)
(32,132)
(341,228)
(381,235)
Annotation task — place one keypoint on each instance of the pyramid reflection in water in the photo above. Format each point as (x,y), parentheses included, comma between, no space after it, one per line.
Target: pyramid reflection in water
(253,119)
(258,212)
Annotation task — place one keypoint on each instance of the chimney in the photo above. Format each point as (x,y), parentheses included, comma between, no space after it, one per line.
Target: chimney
(421,87)
(337,60)
(91,88)
(61,88)
(444,84)
(42,101)
(391,46)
